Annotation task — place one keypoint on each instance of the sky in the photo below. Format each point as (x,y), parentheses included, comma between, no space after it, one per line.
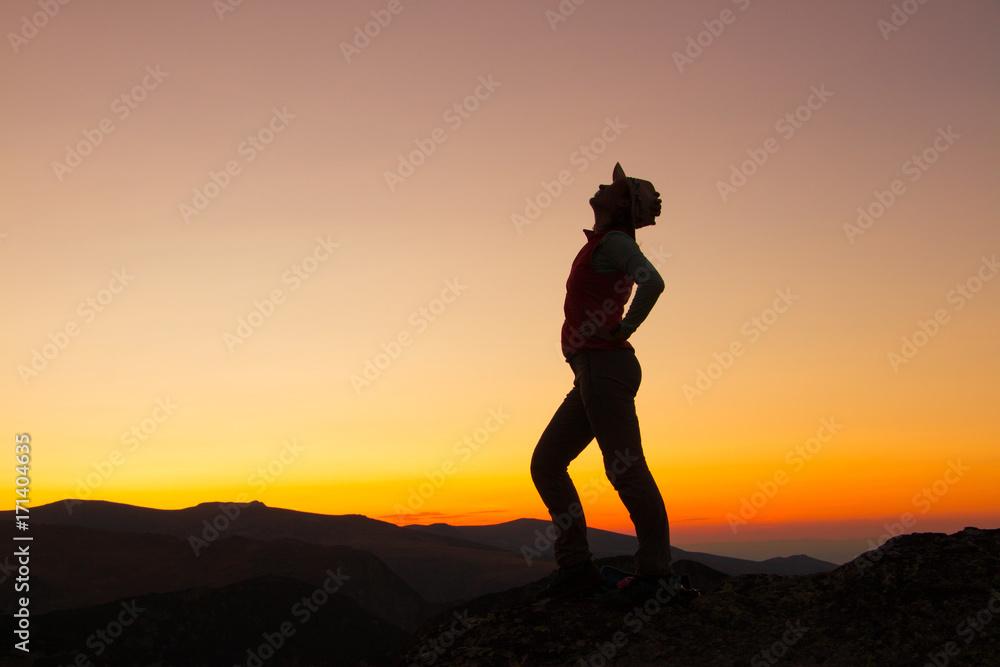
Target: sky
(314,254)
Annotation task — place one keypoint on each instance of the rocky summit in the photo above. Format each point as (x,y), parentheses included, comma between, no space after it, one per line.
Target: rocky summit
(920,599)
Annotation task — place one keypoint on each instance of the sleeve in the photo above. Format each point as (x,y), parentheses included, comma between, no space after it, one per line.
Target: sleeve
(619,252)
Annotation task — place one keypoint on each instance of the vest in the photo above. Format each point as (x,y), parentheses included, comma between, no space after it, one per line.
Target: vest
(593,299)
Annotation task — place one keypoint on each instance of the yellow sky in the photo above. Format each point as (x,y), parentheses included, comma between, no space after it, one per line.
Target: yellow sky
(260,253)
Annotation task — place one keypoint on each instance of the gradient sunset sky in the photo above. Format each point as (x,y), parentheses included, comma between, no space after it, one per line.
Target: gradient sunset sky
(219,217)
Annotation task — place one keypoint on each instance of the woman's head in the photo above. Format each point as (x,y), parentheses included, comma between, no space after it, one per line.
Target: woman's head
(626,203)
(646,203)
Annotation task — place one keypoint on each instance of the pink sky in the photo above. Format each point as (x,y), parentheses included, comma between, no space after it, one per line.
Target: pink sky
(363,250)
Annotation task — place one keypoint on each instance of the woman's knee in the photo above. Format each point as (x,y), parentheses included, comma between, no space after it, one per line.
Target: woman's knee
(545,468)
(625,465)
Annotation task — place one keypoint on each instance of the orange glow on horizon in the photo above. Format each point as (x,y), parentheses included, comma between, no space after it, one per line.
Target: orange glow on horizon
(262,282)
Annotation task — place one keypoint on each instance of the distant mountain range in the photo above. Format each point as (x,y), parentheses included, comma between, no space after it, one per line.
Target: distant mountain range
(215,582)
(524,534)
(441,563)
(837,551)
(253,622)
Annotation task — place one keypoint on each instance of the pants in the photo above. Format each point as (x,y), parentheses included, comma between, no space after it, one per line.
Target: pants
(602,405)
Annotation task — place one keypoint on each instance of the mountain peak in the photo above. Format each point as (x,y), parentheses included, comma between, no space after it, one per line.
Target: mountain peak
(215,503)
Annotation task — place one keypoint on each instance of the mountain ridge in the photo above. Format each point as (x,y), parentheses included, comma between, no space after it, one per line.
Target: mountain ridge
(441,568)
(109,565)
(520,533)
(918,597)
(262,620)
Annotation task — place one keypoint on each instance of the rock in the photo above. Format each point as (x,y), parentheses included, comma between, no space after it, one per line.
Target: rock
(921,598)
